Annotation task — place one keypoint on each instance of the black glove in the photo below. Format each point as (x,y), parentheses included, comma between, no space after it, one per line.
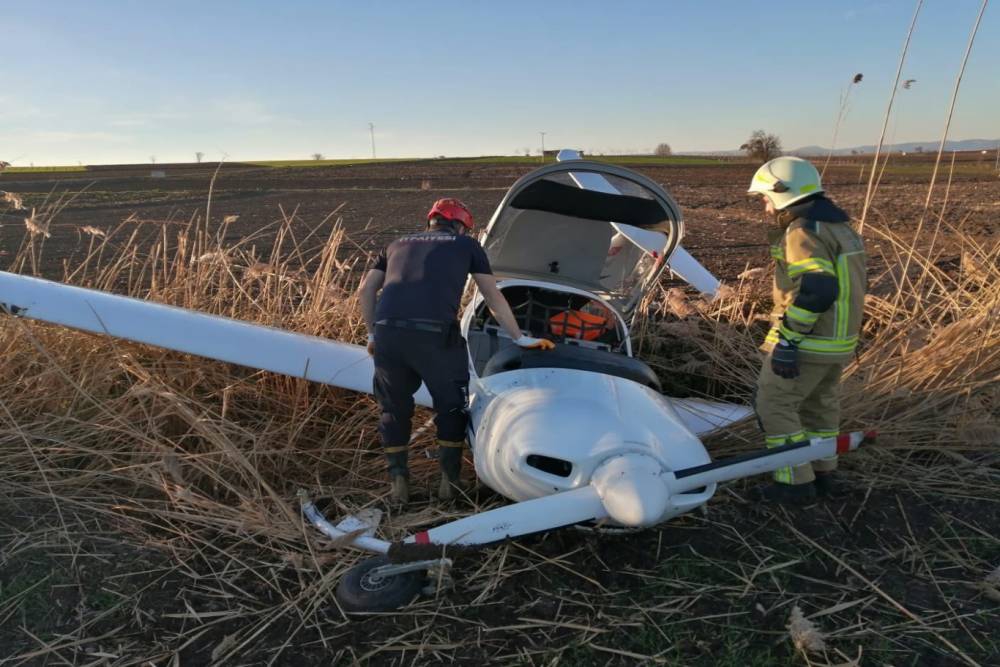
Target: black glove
(785,359)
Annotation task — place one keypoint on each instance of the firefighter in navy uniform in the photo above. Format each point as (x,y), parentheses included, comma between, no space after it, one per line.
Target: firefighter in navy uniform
(819,291)
(414,336)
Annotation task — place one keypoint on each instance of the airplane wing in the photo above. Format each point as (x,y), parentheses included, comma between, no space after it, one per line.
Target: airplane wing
(210,336)
(702,417)
(680,262)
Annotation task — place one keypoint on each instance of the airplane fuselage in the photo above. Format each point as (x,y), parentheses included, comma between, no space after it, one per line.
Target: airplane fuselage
(544,430)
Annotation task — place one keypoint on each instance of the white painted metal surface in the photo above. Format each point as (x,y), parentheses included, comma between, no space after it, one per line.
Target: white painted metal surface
(366,541)
(265,348)
(818,448)
(577,416)
(688,269)
(631,490)
(534,516)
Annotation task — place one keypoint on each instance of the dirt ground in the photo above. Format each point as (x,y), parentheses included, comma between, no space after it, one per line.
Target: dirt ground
(891,574)
(379,201)
(707,589)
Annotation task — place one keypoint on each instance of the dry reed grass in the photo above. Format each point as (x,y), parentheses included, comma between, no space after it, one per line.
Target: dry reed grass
(202,460)
(13,200)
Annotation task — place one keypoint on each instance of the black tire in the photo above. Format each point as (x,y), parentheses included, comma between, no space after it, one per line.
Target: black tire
(358,592)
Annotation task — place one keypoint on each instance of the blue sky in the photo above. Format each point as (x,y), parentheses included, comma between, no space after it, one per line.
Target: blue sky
(105,82)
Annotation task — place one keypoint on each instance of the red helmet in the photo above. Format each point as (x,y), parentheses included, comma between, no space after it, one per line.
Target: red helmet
(451,209)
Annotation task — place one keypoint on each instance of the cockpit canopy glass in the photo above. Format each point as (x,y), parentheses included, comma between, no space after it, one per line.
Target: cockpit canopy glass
(607,243)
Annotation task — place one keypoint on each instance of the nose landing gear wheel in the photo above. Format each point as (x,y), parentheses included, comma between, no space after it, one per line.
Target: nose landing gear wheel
(363,589)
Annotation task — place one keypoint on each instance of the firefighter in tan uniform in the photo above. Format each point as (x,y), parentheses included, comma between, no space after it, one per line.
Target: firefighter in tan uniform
(819,291)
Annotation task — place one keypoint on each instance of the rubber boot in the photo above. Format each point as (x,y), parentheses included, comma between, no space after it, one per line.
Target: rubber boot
(400,491)
(784,494)
(829,485)
(399,474)
(450,459)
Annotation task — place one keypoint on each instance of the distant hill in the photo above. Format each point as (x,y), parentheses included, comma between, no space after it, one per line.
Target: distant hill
(909,147)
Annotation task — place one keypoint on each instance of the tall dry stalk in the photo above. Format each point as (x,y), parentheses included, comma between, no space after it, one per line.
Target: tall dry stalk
(841,113)
(870,193)
(944,135)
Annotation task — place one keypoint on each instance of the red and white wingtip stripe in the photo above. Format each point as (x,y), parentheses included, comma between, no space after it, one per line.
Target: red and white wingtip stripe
(847,442)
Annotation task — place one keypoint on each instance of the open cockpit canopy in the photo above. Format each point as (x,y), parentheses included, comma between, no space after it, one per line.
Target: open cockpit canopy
(592,226)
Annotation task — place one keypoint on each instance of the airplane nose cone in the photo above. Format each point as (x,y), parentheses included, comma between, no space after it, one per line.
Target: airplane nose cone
(631,490)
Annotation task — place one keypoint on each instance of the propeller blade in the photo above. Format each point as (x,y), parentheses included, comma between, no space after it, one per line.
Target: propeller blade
(531,516)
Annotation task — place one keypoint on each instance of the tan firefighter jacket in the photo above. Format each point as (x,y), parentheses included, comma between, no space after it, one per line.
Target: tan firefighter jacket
(819,281)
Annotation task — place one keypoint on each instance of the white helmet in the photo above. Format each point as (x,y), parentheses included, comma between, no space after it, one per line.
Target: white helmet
(786,180)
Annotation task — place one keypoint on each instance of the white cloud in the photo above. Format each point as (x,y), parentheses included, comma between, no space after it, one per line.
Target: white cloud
(129,122)
(64,137)
(14,109)
(146,119)
(228,110)
(242,111)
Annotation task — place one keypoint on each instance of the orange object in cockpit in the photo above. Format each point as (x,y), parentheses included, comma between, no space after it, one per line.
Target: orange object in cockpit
(578,324)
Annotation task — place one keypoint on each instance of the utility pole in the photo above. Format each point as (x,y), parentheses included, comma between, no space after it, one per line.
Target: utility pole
(543,145)
(371,130)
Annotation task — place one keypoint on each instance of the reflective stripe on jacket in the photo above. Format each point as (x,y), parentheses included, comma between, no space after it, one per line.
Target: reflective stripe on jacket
(816,237)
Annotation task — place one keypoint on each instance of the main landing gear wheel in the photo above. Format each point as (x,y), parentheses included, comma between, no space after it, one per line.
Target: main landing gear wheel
(362,589)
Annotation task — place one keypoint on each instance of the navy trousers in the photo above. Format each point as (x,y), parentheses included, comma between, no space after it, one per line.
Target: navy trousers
(404,358)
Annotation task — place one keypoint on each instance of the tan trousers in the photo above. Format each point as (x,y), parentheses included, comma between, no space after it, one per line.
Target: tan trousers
(799,409)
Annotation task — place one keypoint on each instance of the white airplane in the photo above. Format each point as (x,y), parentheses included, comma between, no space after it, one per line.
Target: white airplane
(577,435)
